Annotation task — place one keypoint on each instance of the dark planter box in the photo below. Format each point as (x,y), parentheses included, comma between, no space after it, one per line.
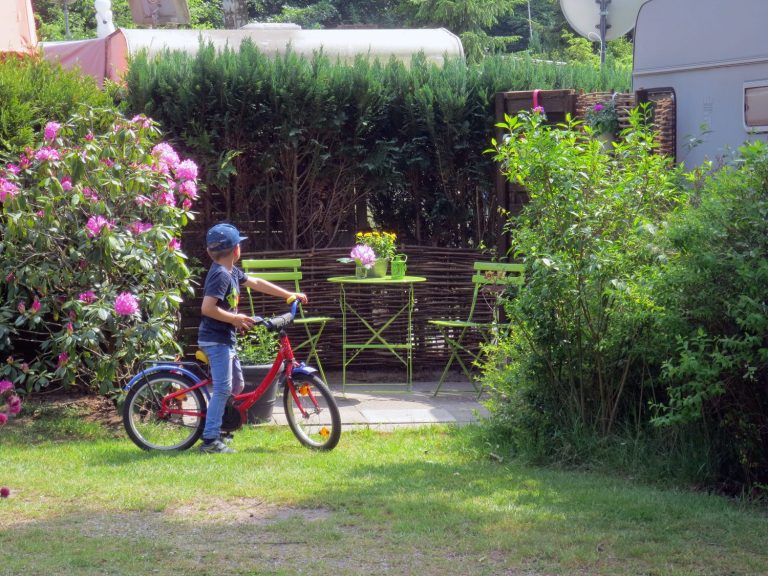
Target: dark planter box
(261,411)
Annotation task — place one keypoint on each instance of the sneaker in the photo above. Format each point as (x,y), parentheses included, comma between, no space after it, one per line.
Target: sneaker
(215,447)
(227,437)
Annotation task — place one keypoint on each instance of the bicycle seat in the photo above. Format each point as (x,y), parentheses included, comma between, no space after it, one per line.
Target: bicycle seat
(201,356)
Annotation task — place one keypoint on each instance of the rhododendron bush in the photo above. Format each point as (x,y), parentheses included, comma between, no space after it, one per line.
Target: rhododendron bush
(90,257)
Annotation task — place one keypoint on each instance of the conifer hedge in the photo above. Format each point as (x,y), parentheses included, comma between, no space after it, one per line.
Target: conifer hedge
(302,151)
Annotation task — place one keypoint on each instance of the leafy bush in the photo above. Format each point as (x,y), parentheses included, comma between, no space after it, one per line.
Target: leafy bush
(33,92)
(715,297)
(577,362)
(90,224)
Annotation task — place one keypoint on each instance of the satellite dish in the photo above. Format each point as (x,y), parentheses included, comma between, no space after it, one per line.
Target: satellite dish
(601,20)
(156,12)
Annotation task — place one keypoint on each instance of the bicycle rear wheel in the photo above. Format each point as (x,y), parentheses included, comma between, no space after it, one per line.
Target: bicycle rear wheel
(151,431)
(312,413)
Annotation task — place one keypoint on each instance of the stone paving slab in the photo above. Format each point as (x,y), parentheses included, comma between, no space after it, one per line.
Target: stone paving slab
(457,403)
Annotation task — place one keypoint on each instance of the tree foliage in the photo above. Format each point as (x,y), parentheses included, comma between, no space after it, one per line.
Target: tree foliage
(485,26)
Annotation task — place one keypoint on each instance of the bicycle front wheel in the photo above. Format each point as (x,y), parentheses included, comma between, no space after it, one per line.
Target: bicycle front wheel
(149,428)
(312,412)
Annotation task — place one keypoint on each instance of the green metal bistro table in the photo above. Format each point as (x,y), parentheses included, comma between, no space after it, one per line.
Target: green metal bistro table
(373,330)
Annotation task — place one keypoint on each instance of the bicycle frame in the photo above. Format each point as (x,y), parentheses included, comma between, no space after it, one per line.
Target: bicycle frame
(284,358)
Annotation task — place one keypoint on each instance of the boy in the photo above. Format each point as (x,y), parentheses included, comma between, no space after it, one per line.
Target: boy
(220,321)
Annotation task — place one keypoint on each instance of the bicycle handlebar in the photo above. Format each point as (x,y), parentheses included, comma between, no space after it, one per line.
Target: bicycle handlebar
(278,322)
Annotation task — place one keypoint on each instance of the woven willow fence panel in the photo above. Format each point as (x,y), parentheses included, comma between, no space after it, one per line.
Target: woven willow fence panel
(447,293)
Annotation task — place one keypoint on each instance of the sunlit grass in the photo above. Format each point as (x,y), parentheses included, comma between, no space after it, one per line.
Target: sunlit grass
(427,501)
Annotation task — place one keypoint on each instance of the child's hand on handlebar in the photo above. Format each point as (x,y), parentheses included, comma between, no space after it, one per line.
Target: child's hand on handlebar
(243,322)
(300,296)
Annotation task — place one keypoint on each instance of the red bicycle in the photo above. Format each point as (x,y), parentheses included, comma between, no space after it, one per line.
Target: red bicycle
(166,402)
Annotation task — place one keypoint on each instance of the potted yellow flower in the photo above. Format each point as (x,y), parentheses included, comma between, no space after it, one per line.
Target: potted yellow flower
(383,246)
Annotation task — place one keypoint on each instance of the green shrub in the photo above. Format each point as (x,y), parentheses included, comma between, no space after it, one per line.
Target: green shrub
(33,92)
(715,297)
(93,274)
(578,363)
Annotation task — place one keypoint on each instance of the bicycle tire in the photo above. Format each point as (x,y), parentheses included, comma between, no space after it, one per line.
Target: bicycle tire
(320,429)
(174,432)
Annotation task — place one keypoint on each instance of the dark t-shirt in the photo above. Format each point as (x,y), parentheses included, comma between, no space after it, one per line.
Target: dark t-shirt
(225,287)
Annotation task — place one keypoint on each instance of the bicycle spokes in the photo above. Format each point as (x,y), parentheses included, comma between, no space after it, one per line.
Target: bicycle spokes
(311,412)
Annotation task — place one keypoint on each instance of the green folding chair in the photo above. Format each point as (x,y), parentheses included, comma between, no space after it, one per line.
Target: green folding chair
(289,270)
(491,280)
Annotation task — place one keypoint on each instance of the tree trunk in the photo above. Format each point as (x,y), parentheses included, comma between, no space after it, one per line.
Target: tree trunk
(235,13)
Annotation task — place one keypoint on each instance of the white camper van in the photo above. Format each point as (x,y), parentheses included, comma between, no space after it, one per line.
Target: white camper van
(712,55)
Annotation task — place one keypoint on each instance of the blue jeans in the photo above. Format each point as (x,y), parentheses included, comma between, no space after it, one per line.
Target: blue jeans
(227,379)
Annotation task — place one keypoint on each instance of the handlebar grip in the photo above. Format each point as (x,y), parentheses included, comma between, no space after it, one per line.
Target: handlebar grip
(279,322)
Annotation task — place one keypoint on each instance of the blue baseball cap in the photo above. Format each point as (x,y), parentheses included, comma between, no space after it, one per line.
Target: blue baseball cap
(223,237)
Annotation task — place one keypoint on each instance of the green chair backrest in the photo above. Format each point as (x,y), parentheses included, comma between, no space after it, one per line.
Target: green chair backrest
(273,270)
(495,274)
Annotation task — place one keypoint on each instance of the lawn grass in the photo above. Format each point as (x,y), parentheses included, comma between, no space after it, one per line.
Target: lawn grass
(429,501)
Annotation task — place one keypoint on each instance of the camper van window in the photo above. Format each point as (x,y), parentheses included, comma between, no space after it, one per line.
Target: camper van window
(756,106)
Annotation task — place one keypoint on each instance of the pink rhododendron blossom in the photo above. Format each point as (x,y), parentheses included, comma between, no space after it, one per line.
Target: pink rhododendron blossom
(62,360)
(70,328)
(89,194)
(108,162)
(89,136)
(186,204)
(174,244)
(13,168)
(39,213)
(35,305)
(166,156)
(363,255)
(139,227)
(96,224)
(21,307)
(7,189)
(188,189)
(14,404)
(51,130)
(5,385)
(186,170)
(126,304)
(539,109)
(88,296)
(46,153)
(66,183)
(3,418)
(142,120)
(24,367)
(165,198)
(142,200)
